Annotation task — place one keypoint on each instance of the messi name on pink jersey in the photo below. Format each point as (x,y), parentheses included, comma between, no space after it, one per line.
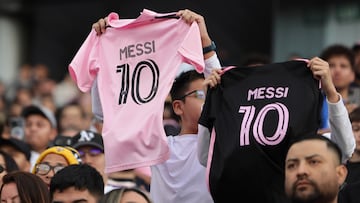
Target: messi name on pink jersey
(134,64)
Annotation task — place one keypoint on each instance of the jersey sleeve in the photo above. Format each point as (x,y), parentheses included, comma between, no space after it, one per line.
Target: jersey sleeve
(191,48)
(84,66)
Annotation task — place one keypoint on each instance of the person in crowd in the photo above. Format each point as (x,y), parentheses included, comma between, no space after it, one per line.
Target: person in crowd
(353,164)
(40,129)
(65,91)
(52,160)
(341,61)
(70,118)
(313,170)
(18,150)
(24,187)
(77,183)
(340,124)
(350,191)
(7,165)
(356,50)
(188,95)
(90,146)
(126,195)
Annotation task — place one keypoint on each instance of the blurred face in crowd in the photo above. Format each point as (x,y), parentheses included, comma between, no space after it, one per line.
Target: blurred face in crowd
(94,157)
(341,71)
(71,195)
(38,132)
(357,62)
(10,194)
(313,173)
(51,164)
(72,117)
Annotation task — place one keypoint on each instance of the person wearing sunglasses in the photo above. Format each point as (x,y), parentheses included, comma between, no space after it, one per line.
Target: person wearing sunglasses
(52,160)
(90,146)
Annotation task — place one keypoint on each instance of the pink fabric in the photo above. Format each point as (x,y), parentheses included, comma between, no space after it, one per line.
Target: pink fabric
(147,52)
(146,171)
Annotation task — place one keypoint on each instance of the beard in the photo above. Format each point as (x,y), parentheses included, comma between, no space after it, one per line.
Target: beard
(327,194)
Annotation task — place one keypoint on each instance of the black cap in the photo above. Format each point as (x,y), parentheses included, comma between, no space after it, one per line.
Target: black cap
(18,145)
(61,140)
(39,110)
(87,138)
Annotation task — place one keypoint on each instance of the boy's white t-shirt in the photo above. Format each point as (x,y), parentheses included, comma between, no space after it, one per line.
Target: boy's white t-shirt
(181,178)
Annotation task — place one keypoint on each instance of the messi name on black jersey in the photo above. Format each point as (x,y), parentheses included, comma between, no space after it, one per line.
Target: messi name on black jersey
(255,112)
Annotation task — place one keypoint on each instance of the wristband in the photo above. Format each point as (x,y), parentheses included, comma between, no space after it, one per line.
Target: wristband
(211,47)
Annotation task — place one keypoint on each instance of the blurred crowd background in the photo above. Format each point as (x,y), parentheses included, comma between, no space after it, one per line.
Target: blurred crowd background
(50,32)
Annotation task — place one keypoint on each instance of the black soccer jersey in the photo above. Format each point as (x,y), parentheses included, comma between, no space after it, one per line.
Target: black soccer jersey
(255,112)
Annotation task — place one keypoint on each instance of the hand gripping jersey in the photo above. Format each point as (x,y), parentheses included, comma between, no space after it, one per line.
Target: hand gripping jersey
(135,63)
(255,112)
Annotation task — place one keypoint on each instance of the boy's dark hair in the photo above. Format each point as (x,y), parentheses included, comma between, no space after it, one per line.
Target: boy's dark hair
(338,50)
(82,177)
(354,116)
(182,83)
(329,143)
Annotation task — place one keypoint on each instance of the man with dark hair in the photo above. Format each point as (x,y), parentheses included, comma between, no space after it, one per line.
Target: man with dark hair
(356,50)
(313,170)
(353,164)
(77,183)
(40,129)
(341,62)
(350,193)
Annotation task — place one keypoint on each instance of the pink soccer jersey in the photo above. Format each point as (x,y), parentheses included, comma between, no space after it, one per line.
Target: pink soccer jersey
(135,63)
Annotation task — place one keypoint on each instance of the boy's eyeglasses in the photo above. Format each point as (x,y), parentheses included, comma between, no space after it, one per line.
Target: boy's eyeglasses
(200,94)
(91,152)
(45,168)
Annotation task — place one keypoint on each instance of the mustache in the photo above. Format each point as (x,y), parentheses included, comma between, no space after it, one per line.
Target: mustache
(301,180)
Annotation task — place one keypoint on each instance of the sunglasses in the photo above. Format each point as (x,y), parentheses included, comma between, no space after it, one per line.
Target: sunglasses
(200,94)
(91,152)
(45,168)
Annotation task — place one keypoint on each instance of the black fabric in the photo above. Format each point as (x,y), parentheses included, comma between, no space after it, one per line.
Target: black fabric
(252,168)
(350,193)
(353,172)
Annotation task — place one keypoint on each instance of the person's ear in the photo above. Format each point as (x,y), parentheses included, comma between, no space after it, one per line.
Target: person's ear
(341,172)
(178,106)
